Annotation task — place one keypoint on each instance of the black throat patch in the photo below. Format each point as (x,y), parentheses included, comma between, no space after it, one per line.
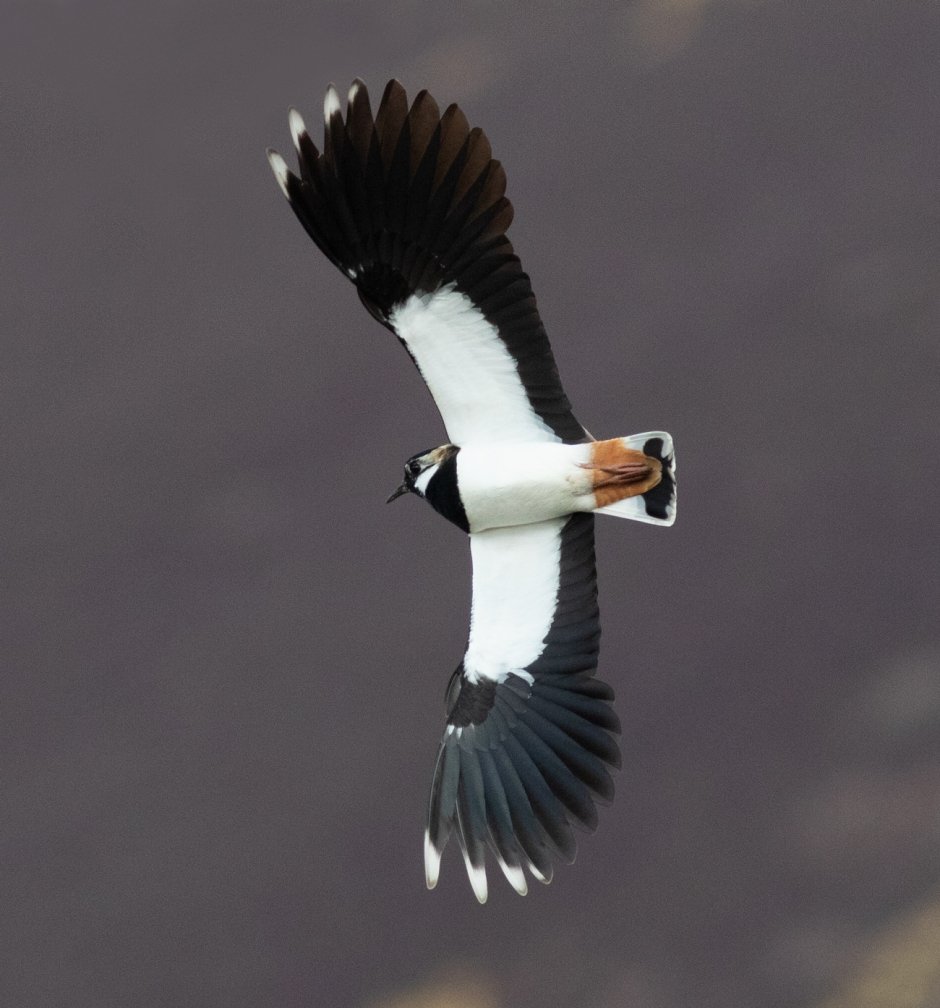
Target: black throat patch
(443,494)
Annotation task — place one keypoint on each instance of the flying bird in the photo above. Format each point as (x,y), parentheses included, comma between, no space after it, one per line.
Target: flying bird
(410,205)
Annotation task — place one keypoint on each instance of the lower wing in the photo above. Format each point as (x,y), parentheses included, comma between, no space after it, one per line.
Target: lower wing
(530,731)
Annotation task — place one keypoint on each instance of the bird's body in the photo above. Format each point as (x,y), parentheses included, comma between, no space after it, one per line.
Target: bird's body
(409,204)
(518,483)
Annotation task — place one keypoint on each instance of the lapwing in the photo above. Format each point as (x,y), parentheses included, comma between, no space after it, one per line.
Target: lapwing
(410,205)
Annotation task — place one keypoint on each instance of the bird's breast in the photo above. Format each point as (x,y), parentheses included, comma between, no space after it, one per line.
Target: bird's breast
(517,484)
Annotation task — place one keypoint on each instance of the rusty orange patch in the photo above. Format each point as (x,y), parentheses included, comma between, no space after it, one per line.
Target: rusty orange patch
(617,473)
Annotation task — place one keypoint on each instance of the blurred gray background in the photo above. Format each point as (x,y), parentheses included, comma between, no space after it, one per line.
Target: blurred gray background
(224,658)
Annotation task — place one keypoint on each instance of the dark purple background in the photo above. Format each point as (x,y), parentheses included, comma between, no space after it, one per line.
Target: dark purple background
(224,658)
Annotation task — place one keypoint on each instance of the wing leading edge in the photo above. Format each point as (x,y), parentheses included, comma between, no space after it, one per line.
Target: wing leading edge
(530,731)
(410,205)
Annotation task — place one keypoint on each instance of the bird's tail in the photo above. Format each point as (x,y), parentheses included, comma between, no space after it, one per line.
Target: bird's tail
(635,477)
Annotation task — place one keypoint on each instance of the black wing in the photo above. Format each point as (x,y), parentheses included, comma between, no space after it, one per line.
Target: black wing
(410,205)
(528,743)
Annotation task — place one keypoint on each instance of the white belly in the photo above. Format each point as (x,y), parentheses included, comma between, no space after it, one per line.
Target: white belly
(516,484)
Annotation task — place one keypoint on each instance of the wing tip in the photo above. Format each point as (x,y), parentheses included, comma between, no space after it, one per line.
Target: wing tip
(515,876)
(432,861)
(477,876)
(280,169)
(354,89)
(545,879)
(298,128)
(331,105)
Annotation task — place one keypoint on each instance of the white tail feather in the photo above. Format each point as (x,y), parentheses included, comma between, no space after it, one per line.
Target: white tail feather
(661,500)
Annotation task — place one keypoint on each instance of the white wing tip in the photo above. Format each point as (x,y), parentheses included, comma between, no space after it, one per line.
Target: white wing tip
(544,879)
(297,127)
(432,861)
(515,876)
(478,881)
(477,876)
(354,89)
(279,167)
(331,105)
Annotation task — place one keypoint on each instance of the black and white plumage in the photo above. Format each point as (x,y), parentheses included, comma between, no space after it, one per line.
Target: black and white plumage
(409,204)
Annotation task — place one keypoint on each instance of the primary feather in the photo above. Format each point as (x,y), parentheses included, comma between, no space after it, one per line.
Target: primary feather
(411,206)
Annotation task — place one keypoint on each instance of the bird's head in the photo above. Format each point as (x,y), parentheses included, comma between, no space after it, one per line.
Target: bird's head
(420,469)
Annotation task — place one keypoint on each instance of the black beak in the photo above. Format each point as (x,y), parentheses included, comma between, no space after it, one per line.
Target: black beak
(403,489)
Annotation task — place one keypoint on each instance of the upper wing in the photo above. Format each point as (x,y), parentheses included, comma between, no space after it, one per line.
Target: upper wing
(529,731)
(410,206)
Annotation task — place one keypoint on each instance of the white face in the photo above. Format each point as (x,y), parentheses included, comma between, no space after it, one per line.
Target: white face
(421,482)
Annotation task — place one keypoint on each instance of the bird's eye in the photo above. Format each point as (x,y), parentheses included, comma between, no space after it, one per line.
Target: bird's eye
(414,468)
